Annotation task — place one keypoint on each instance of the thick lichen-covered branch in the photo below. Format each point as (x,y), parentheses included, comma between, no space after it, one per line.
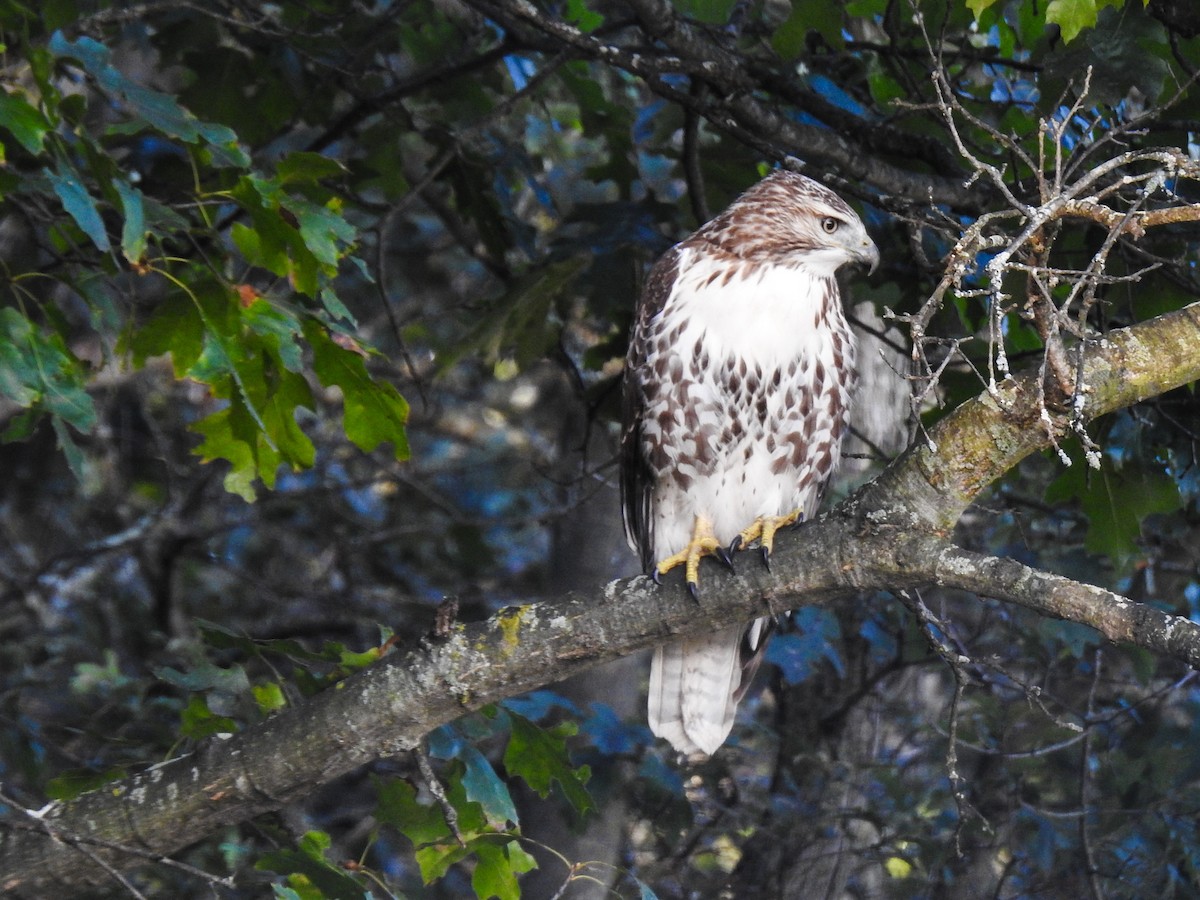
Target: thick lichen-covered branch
(1117,618)
(987,436)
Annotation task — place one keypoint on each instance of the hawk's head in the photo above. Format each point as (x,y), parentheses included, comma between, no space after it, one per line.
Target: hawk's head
(788,219)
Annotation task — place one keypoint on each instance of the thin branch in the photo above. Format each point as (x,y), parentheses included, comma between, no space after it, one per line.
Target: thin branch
(691,157)
(1085,781)
(38,822)
(937,635)
(439,794)
(1117,618)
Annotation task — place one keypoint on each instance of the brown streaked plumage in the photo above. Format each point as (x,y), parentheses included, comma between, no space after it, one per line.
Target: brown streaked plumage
(736,397)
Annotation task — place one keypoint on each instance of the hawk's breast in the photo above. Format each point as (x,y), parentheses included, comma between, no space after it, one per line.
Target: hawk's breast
(753,367)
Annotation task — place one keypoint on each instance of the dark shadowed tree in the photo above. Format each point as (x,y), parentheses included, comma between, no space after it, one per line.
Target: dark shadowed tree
(312,317)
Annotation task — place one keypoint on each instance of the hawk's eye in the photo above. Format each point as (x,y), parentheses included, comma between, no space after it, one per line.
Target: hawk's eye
(829,224)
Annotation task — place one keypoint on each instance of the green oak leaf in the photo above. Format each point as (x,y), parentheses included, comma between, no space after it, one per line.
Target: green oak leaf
(398,806)
(80,206)
(497,867)
(480,782)
(1115,502)
(310,863)
(38,369)
(161,111)
(175,327)
(585,18)
(1074,16)
(485,787)
(133,232)
(373,412)
(540,757)
(978,7)
(24,122)
(197,721)
(303,167)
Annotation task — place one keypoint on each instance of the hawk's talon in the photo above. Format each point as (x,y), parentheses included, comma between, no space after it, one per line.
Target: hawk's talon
(656,576)
(763,530)
(736,544)
(703,543)
(726,558)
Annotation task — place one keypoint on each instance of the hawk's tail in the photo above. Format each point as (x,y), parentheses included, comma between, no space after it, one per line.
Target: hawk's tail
(695,686)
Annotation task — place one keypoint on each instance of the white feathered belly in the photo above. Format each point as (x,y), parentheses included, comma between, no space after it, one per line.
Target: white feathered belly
(756,402)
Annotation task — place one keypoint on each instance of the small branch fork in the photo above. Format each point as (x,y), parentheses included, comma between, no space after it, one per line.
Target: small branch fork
(1114,195)
(939,637)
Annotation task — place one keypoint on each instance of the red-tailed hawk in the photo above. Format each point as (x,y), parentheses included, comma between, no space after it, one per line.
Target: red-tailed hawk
(736,397)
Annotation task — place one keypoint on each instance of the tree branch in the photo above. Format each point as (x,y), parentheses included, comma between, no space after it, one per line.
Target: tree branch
(733,104)
(987,436)
(1120,620)
(891,535)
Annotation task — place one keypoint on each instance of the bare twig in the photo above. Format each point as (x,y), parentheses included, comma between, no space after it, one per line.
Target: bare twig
(1085,780)
(938,637)
(1059,300)
(439,794)
(691,157)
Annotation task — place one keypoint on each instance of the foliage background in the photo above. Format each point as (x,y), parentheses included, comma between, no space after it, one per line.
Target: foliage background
(371,268)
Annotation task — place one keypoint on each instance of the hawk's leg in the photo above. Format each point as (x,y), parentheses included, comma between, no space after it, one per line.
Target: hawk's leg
(703,543)
(763,530)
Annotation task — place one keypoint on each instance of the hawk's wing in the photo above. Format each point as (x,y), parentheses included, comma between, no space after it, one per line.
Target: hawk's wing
(637,483)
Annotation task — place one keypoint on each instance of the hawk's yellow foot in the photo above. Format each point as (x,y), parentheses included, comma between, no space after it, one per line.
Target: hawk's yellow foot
(763,530)
(703,543)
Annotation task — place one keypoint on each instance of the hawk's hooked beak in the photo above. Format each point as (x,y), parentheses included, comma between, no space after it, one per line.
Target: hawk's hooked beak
(868,255)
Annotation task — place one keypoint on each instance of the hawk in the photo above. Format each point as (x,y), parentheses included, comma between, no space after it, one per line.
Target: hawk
(736,397)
